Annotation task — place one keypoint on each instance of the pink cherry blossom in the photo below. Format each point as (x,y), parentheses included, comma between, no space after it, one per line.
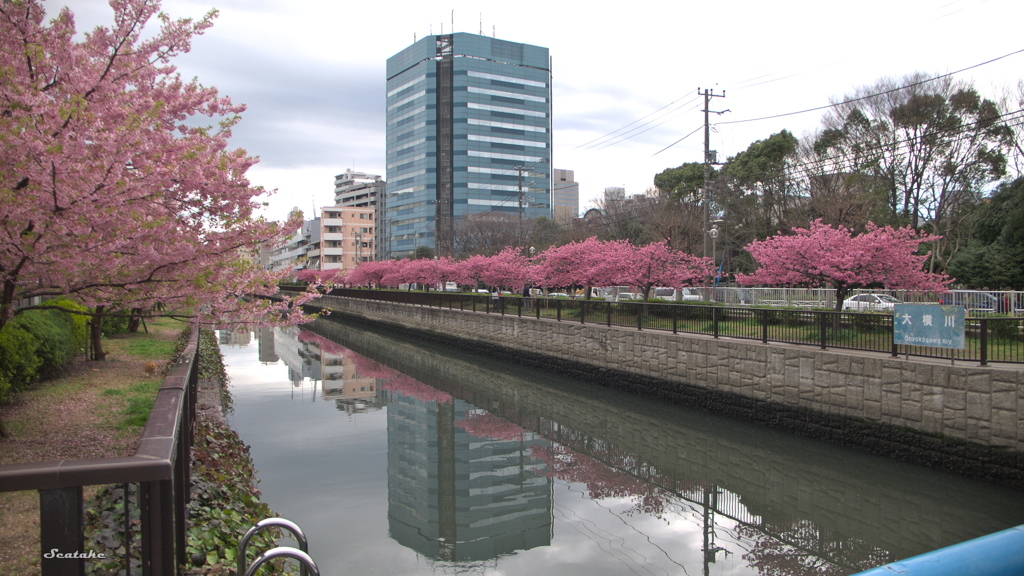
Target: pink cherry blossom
(118,184)
(836,257)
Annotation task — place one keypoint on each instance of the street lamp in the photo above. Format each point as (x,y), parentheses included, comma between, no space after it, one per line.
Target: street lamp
(714,237)
(713,233)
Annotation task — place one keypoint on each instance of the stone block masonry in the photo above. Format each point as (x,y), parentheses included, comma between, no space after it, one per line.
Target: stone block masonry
(965,419)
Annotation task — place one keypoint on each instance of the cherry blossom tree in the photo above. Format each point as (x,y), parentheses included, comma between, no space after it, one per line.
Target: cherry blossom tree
(657,264)
(507,269)
(113,189)
(589,263)
(370,273)
(835,256)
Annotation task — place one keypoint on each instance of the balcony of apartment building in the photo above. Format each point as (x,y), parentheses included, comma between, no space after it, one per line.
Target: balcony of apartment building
(332,219)
(313,251)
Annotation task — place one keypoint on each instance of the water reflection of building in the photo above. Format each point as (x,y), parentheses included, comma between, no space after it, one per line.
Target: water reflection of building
(268,354)
(311,357)
(455,496)
(302,362)
(235,337)
(342,383)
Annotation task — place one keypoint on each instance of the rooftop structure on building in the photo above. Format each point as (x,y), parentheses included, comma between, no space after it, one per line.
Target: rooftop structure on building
(468,132)
(362,190)
(358,189)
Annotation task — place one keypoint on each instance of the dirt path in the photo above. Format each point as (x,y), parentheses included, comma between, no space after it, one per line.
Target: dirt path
(79,415)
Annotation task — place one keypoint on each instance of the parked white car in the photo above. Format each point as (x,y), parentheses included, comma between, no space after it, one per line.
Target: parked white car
(865,302)
(674,295)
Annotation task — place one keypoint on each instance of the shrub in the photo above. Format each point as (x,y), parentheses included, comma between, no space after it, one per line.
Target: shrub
(19,362)
(1005,329)
(5,389)
(79,322)
(52,331)
(115,322)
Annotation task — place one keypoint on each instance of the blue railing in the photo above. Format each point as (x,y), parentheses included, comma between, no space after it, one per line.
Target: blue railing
(999,554)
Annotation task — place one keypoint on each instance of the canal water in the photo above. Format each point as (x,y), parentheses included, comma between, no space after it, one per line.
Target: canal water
(400,457)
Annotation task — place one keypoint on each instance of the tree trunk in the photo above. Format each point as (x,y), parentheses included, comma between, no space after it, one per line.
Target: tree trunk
(135,321)
(97,334)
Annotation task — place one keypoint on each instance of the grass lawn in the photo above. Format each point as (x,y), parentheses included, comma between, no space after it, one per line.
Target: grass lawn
(94,410)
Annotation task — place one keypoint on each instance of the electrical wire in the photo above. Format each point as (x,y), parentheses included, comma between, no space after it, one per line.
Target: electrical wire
(897,89)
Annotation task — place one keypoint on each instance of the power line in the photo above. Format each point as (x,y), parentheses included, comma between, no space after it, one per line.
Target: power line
(678,141)
(1009,119)
(613,132)
(897,89)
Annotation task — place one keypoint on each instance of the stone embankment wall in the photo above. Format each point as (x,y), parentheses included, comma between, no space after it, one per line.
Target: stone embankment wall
(783,476)
(830,394)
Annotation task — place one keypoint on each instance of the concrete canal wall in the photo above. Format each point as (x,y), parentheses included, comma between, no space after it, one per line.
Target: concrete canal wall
(894,406)
(777,477)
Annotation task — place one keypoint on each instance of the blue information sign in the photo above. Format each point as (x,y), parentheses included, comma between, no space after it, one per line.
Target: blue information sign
(929,325)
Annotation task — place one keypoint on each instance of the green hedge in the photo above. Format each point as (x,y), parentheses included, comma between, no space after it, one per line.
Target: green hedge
(79,322)
(38,344)
(52,330)
(19,363)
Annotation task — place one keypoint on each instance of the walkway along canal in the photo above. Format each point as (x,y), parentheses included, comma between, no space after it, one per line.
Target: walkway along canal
(965,419)
(399,455)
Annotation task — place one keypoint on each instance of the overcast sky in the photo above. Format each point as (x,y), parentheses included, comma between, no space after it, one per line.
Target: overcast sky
(313,72)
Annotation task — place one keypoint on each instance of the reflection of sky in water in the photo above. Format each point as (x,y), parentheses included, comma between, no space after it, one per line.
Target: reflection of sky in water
(328,471)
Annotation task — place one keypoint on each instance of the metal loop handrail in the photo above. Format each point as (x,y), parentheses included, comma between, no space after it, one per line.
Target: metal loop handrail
(284,552)
(264,525)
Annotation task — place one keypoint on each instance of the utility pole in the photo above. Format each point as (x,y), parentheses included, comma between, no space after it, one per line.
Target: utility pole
(522,199)
(708,161)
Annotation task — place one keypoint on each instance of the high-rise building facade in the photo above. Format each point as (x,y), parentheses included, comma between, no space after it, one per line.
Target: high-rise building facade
(468,132)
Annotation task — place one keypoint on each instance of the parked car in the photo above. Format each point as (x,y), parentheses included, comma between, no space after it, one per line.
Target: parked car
(865,302)
(974,301)
(674,295)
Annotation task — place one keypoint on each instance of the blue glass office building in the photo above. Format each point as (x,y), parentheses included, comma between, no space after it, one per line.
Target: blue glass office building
(468,133)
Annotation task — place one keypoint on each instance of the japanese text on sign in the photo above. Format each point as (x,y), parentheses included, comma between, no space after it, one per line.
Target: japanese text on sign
(929,325)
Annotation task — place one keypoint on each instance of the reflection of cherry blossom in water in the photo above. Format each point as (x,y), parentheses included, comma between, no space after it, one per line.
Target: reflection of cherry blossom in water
(487,425)
(394,381)
(387,378)
(601,480)
(325,345)
(801,548)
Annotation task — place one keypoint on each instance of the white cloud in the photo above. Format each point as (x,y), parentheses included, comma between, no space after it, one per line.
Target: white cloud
(312,72)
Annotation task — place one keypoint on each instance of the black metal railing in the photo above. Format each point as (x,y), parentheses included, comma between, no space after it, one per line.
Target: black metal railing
(160,467)
(988,339)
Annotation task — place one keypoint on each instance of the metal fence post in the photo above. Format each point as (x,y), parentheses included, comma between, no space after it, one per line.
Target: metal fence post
(714,321)
(61,529)
(984,341)
(764,326)
(823,322)
(156,503)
